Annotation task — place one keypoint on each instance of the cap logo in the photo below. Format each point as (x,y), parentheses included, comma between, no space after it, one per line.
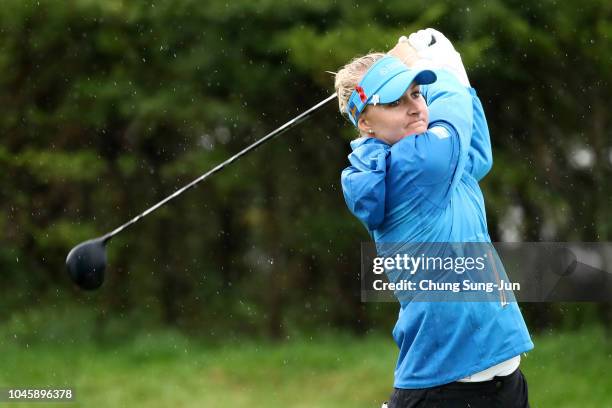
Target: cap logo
(361,93)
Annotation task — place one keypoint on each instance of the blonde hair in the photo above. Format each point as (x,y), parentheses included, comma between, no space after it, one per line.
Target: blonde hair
(348,77)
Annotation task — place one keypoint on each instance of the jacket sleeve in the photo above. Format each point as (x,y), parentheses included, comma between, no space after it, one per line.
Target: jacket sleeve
(450,106)
(480,156)
(363,183)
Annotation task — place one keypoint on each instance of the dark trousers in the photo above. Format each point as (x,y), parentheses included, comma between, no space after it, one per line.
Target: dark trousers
(501,392)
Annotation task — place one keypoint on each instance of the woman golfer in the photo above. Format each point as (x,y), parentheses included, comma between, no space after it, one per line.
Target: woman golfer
(413,178)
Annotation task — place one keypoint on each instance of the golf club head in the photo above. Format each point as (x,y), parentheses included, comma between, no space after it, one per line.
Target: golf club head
(86,263)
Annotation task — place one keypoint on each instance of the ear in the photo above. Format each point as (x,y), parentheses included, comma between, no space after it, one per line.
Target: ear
(363,124)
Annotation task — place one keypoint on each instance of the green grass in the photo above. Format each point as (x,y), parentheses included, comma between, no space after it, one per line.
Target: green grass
(167,370)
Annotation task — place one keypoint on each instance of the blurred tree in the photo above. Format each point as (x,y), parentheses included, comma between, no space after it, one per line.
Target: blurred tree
(110,106)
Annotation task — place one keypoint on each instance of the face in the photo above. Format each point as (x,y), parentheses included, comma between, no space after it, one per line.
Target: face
(393,121)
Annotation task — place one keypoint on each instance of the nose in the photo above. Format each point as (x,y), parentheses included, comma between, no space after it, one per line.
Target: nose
(414,107)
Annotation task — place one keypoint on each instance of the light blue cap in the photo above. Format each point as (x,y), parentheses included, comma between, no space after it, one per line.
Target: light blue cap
(385,82)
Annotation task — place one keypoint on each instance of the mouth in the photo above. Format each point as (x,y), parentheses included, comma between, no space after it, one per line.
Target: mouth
(416,123)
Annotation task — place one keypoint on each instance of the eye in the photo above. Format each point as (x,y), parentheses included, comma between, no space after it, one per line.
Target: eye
(415,94)
(394,103)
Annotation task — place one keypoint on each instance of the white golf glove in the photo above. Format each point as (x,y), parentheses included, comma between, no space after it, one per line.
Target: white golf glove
(435,51)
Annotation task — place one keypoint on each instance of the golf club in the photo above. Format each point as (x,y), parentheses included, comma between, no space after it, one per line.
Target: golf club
(86,262)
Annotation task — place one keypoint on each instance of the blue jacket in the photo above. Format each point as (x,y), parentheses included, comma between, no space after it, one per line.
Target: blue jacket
(424,188)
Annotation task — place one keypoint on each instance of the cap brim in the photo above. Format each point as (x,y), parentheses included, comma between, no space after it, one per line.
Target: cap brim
(395,88)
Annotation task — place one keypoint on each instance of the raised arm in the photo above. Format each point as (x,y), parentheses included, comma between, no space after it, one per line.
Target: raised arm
(435,51)
(480,156)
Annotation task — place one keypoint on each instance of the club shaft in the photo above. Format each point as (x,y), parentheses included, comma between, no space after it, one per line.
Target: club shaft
(303,116)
